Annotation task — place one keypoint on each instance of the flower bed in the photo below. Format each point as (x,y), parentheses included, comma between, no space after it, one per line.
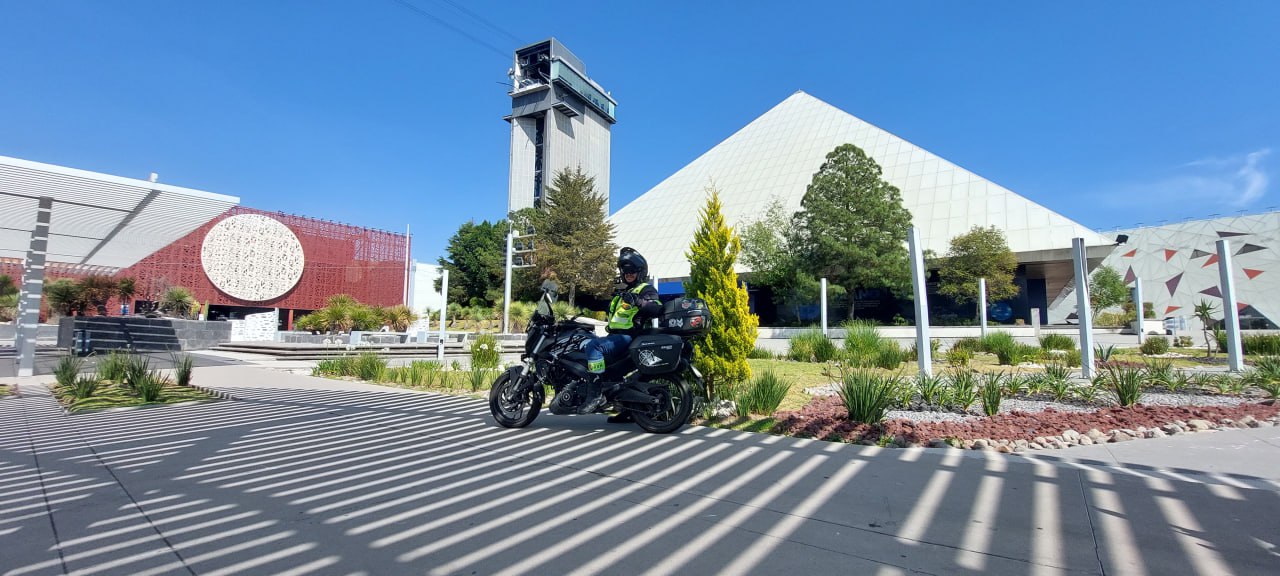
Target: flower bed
(825,418)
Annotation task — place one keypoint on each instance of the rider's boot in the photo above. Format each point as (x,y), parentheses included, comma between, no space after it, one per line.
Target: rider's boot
(595,391)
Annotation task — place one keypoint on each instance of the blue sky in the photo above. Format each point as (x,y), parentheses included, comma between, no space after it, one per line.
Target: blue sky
(370,113)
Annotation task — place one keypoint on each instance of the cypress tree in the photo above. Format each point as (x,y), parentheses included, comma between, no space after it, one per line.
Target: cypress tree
(721,355)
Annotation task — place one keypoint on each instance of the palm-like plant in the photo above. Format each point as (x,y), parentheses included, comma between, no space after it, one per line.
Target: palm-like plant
(399,317)
(1204,311)
(178,301)
(63,296)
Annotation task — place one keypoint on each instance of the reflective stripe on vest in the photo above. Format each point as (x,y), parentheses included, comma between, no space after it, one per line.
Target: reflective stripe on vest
(622,315)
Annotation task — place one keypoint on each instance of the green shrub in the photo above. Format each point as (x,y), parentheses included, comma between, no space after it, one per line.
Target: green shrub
(1013,353)
(963,391)
(1113,319)
(996,340)
(889,356)
(759,353)
(369,367)
(867,395)
(1087,393)
(1266,375)
(336,367)
(150,387)
(136,372)
(992,391)
(1124,383)
(812,346)
(1180,381)
(970,345)
(762,394)
(1015,384)
(1183,342)
(480,377)
(1057,379)
(485,352)
(67,369)
(1159,372)
(1074,358)
(863,342)
(1057,342)
(1103,353)
(112,366)
(1155,345)
(182,366)
(911,354)
(958,357)
(933,390)
(85,386)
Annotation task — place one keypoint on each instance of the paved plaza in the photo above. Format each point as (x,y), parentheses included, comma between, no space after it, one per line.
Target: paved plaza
(300,475)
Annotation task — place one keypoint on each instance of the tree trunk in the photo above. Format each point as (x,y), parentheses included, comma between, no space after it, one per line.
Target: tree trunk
(853,303)
(573,293)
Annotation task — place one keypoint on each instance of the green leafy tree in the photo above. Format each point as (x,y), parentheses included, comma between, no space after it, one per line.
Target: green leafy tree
(1107,289)
(769,249)
(978,253)
(96,291)
(573,239)
(854,227)
(476,262)
(721,355)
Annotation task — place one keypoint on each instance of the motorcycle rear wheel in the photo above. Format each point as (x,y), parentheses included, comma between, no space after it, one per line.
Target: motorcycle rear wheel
(675,404)
(509,407)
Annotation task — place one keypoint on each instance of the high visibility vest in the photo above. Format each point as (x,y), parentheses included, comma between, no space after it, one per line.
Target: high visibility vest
(622,315)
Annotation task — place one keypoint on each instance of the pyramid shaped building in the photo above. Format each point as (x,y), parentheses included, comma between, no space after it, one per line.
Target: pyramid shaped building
(776,155)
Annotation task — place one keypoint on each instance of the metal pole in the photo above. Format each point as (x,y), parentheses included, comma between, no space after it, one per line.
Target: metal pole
(982,305)
(444,310)
(823,308)
(1137,301)
(1230,313)
(406,265)
(1083,311)
(506,285)
(924,354)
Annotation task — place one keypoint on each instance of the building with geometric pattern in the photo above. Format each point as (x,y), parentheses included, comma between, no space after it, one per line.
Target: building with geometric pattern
(776,155)
(1178,265)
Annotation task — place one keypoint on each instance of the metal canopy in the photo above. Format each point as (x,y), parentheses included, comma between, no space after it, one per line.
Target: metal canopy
(97,219)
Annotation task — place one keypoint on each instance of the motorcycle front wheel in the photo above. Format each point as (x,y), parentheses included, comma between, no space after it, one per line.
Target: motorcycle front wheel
(510,407)
(675,404)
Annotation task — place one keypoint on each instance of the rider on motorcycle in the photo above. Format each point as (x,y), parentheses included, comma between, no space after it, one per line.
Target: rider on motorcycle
(634,303)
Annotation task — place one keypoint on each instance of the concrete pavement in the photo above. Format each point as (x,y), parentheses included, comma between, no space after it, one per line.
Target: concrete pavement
(303,475)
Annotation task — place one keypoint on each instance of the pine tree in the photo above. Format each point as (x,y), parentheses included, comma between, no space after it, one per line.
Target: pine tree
(854,227)
(573,239)
(721,355)
(978,253)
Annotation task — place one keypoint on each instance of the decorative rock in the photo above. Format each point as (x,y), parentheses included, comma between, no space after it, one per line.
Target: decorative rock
(1199,425)
(1020,443)
(1096,435)
(1154,433)
(1071,436)
(1121,436)
(1248,422)
(981,444)
(1171,428)
(938,443)
(1004,449)
(1085,441)
(1036,445)
(1228,423)
(1265,423)
(1039,440)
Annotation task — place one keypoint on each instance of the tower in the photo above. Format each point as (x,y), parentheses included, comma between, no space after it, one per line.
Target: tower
(560,119)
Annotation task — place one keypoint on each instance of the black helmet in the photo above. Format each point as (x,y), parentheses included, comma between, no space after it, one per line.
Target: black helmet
(631,261)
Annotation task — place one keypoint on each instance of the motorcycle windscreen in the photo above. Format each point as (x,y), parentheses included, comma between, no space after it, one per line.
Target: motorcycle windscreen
(656,353)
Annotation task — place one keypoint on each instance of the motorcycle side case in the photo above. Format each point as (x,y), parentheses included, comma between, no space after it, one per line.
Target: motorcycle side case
(656,353)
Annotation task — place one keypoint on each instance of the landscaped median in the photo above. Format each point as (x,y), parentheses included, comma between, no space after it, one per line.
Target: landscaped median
(124,380)
(427,375)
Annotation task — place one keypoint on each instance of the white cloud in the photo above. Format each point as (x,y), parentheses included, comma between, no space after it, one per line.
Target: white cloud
(1198,186)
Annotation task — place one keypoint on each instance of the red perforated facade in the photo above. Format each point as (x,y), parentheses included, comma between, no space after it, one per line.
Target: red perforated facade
(367,264)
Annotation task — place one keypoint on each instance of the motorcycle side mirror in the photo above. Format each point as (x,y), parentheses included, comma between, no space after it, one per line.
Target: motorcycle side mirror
(551,289)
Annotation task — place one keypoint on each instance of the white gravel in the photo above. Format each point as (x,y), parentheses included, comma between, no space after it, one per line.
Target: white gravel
(1017,404)
(916,416)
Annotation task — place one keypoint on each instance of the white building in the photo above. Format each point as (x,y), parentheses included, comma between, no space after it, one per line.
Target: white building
(776,155)
(423,297)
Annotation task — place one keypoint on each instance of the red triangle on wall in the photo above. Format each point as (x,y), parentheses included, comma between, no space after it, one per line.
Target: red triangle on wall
(1212,260)
(1251,273)
(1168,254)
(1130,253)
(1241,306)
(1169,309)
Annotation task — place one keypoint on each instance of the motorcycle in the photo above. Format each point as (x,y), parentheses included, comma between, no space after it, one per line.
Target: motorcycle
(653,382)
